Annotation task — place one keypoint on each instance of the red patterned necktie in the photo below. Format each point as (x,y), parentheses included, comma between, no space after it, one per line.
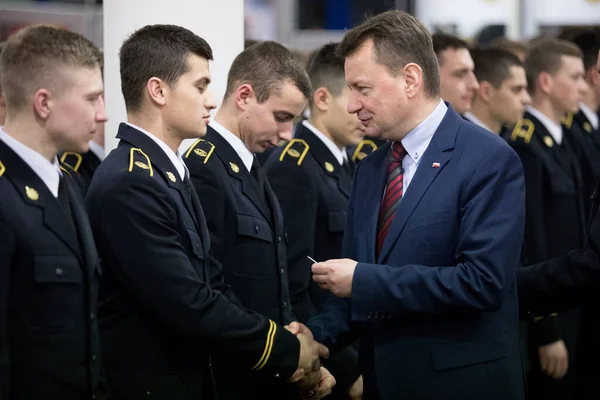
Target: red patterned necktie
(393,193)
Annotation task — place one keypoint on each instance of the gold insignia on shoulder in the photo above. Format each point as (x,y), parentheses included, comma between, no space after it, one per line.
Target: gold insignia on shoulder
(141,165)
(296,148)
(67,155)
(234,167)
(171,177)
(66,171)
(201,148)
(329,166)
(548,141)
(2,168)
(31,193)
(293,153)
(567,120)
(365,144)
(200,152)
(588,127)
(523,130)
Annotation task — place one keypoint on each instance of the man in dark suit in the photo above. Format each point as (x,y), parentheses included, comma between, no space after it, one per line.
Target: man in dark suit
(502,96)
(49,341)
(555,208)
(164,309)
(311,177)
(434,228)
(245,222)
(458,83)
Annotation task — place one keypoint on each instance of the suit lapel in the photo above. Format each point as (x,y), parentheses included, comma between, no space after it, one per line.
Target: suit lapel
(36,194)
(326,159)
(438,153)
(373,199)
(160,161)
(238,171)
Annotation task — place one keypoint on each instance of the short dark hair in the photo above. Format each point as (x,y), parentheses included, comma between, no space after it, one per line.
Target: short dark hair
(545,56)
(33,57)
(326,70)
(443,41)
(160,51)
(493,65)
(266,66)
(513,46)
(588,40)
(399,39)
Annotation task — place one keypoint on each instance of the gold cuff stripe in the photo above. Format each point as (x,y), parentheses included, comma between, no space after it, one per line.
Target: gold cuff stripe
(536,319)
(268,347)
(131,154)
(2,168)
(76,155)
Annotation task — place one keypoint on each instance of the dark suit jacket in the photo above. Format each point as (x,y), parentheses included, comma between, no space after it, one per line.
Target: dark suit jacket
(313,191)
(163,305)
(248,239)
(49,342)
(437,310)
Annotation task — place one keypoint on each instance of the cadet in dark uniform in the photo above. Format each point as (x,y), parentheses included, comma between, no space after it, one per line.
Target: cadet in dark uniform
(312,177)
(502,96)
(555,220)
(164,308)
(85,164)
(49,342)
(245,221)
(363,149)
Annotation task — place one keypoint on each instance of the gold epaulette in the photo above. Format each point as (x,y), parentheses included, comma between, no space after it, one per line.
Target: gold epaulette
(296,148)
(536,319)
(139,160)
(567,120)
(268,347)
(202,148)
(71,159)
(2,168)
(64,168)
(523,130)
(359,154)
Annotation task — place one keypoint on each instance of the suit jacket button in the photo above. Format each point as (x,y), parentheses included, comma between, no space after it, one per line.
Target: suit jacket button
(279,240)
(59,272)
(284,305)
(282,271)
(148,393)
(256,228)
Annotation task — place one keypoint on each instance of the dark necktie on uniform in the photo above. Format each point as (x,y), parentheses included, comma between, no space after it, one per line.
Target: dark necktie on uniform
(347,167)
(393,193)
(63,199)
(259,177)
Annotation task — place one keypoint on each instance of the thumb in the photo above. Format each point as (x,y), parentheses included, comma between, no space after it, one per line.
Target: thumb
(293,328)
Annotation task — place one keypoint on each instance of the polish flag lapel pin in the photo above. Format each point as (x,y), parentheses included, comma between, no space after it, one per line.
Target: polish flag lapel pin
(435,165)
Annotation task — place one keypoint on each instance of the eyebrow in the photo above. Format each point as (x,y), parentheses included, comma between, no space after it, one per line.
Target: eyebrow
(203,81)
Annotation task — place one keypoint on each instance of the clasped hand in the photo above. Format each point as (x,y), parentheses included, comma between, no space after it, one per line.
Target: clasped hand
(315,382)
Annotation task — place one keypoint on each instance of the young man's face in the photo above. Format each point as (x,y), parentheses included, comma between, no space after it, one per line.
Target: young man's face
(458,83)
(345,128)
(76,108)
(507,103)
(568,86)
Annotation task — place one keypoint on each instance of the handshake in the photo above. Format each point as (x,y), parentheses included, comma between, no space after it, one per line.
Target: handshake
(315,382)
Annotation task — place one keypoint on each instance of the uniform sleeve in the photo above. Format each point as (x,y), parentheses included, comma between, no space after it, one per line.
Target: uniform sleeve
(544,330)
(144,251)
(7,248)
(298,198)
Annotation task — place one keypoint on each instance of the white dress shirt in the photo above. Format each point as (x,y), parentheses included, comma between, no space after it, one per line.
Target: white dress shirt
(174,157)
(417,141)
(339,154)
(471,117)
(97,149)
(553,128)
(49,172)
(238,145)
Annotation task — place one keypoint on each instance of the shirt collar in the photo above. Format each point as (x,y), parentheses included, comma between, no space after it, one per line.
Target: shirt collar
(96,149)
(339,154)
(174,157)
(471,117)
(417,140)
(48,172)
(553,128)
(590,115)
(238,145)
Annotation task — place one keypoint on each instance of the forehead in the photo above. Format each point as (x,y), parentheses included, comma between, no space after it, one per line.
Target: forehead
(287,97)
(84,78)
(571,63)
(456,58)
(362,64)
(517,74)
(198,67)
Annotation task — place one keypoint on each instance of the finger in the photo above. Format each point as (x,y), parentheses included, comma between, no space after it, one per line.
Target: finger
(323,351)
(320,268)
(325,386)
(320,278)
(324,286)
(552,367)
(297,376)
(294,328)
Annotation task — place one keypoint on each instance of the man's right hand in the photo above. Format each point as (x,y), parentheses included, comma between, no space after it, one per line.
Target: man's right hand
(311,353)
(554,359)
